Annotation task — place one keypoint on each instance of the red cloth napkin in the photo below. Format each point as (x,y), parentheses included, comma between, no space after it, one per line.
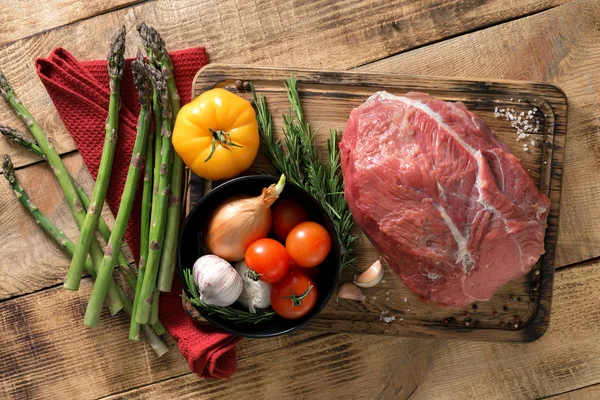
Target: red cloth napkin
(79,91)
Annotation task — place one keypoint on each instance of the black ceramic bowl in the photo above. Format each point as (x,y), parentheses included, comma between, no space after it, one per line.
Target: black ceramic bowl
(190,249)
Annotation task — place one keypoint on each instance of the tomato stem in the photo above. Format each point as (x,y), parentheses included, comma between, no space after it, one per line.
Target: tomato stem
(224,139)
(297,300)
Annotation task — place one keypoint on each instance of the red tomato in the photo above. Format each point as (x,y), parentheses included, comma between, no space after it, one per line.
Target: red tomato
(268,258)
(308,244)
(287,213)
(310,272)
(294,296)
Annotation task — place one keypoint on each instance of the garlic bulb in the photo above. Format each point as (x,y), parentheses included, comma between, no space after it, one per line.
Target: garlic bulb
(255,294)
(218,283)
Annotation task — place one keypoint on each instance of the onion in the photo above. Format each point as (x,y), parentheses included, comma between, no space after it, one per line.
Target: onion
(239,221)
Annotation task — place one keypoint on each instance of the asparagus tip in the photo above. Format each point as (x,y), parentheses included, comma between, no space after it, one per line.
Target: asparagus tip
(6,162)
(154,43)
(141,78)
(116,59)
(8,167)
(13,134)
(160,86)
(141,27)
(4,85)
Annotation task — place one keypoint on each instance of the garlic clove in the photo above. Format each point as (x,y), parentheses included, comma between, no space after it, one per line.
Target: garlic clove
(350,291)
(371,277)
(255,294)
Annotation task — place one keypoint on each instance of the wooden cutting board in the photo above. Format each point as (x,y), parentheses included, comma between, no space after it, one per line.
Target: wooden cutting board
(519,311)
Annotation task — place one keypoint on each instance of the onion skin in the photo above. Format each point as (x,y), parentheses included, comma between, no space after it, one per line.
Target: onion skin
(239,221)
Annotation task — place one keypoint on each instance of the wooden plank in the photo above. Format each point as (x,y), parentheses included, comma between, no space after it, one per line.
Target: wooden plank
(327,99)
(30,259)
(364,366)
(571,371)
(24,18)
(560,46)
(254,32)
(47,353)
(586,393)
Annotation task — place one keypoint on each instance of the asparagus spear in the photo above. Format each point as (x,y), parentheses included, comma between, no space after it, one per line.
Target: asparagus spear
(134,327)
(69,247)
(61,173)
(115,241)
(16,136)
(154,308)
(157,53)
(128,272)
(59,237)
(116,63)
(159,214)
(149,197)
(105,232)
(157,144)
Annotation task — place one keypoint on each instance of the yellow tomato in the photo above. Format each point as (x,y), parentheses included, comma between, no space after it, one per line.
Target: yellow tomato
(216,134)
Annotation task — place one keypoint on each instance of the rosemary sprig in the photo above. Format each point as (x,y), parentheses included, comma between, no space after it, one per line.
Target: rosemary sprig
(228,313)
(302,166)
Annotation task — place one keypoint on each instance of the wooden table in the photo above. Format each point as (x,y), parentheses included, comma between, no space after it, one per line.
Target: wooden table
(47,353)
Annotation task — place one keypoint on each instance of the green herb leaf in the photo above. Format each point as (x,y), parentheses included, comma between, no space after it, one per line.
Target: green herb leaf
(302,166)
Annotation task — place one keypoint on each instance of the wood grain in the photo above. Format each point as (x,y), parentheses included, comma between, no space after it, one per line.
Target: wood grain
(327,99)
(47,353)
(586,393)
(27,17)
(30,259)
(559,46)
(253,32)
(368,367)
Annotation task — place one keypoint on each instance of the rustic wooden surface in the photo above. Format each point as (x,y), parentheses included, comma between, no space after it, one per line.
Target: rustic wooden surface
(46,351)
(327,100)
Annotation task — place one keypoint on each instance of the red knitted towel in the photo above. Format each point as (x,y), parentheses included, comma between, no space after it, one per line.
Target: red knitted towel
(79,91)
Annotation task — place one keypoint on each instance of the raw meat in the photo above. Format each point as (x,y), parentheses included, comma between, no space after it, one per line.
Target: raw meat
(447,205)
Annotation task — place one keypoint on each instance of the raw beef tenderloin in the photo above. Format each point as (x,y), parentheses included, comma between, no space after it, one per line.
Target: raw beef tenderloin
(447,205)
